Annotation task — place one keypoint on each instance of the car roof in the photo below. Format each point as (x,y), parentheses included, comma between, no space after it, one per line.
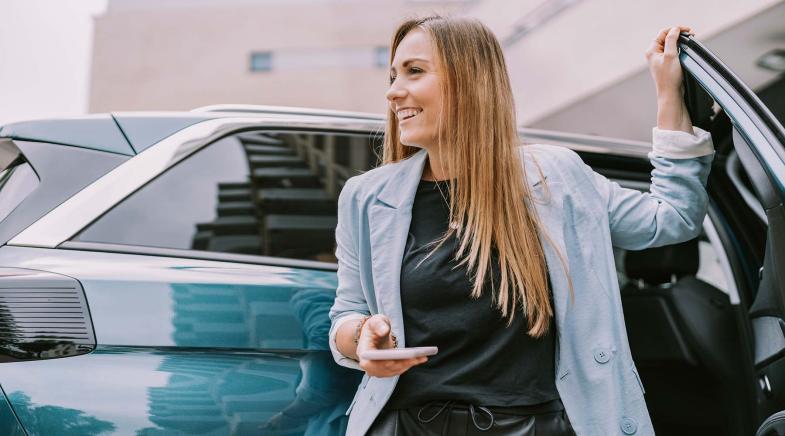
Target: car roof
(129,133)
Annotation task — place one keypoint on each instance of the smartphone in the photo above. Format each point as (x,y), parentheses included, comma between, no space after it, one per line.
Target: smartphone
(398,353)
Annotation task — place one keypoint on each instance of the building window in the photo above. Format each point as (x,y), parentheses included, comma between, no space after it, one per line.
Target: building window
(381,56)
(262,61)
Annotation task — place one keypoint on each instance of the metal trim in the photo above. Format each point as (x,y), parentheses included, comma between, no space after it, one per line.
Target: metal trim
(76,213)
(286,110)
(217,256)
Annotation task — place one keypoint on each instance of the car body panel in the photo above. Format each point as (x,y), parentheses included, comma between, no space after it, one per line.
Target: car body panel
(142,391)
(143,300)
(9,424)
(196,347)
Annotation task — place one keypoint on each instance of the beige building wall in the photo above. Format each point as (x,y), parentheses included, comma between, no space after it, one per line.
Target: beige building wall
(182,54)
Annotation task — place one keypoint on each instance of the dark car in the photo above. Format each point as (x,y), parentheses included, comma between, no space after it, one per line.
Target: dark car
(172,273)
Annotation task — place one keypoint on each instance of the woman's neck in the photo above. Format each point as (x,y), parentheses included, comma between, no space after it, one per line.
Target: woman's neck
(433,171)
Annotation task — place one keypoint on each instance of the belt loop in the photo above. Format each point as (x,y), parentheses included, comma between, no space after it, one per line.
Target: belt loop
(438,412)
(473,413)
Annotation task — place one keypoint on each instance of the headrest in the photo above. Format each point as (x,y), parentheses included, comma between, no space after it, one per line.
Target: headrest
(657,265)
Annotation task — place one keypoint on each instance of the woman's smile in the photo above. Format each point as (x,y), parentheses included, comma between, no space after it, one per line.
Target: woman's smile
(407,114)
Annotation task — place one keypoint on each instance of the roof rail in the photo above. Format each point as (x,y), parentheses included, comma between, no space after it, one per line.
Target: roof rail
(287,110)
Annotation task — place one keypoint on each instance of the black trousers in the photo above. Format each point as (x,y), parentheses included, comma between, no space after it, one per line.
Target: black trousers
(455,418)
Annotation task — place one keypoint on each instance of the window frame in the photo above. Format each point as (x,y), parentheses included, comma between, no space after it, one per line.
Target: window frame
(80,210)
(73,244)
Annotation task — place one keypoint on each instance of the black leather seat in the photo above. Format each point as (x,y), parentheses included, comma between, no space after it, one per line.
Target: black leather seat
(682,332)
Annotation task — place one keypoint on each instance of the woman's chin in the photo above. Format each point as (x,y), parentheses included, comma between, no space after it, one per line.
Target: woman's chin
(411,141)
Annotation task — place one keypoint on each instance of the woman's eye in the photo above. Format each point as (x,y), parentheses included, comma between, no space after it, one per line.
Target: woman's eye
(411,71)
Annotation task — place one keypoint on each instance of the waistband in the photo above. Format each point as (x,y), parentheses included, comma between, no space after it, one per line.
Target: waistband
(482,416)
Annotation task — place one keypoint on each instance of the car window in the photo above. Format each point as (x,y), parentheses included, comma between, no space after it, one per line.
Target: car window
(17,178)
(264,193)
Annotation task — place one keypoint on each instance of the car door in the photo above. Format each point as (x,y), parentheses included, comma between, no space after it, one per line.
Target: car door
(758,140)
(208,287)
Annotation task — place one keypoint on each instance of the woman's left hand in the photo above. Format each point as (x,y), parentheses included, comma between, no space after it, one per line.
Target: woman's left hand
(665,68)
(663,59)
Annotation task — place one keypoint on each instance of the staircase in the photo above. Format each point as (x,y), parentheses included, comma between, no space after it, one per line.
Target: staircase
(284,210)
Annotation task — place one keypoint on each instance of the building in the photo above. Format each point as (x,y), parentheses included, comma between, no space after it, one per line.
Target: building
(575,65)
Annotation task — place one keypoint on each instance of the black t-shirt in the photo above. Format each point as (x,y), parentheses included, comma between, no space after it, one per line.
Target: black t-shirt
(480,359)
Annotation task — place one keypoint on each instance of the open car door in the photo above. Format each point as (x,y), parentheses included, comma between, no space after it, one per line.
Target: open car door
(756,249)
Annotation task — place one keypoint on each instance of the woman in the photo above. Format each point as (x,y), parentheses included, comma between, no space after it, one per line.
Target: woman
(499,254)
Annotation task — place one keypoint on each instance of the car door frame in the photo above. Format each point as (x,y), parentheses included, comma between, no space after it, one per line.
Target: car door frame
(759,140)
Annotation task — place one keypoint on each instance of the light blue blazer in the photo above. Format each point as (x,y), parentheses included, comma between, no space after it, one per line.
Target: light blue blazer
(585,215)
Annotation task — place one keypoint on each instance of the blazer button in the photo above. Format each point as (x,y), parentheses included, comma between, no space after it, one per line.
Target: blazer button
(602,355)
(628,425)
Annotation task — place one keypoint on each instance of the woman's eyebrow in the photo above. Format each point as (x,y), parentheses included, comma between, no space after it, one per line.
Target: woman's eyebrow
(409,61)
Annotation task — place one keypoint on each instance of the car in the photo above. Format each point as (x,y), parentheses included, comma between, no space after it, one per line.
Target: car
(172,273)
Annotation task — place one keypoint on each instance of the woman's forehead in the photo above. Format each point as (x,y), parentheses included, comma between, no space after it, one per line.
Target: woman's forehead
(417,45)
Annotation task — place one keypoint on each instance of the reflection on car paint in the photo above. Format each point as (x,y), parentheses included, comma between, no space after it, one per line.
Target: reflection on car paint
(209,393)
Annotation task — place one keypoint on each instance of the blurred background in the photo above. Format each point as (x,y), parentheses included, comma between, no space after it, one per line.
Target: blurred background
(576,65)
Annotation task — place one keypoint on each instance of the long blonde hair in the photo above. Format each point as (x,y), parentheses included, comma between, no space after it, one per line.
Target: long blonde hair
(478,135)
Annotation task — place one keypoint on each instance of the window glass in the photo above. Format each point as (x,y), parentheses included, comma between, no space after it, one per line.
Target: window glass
(265,193)
(262,61)
(381,57)
(16,183)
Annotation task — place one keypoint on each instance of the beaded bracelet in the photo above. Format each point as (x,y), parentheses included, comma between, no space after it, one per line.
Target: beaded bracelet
(359,329)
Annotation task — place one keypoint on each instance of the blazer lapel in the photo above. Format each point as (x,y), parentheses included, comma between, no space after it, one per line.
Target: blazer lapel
(390,216)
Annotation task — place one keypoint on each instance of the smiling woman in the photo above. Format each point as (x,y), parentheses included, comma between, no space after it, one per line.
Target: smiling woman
(490,250)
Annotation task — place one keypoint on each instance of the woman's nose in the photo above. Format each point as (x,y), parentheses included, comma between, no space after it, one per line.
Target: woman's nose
(395,92)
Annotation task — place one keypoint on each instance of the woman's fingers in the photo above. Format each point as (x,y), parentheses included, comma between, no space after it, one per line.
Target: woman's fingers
(376,332)
(671,40)
(389,368)
(406,363)
(397,367)
(658,44)
(380,328)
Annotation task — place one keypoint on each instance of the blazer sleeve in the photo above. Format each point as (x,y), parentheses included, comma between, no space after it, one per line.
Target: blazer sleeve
(676,204)
(350,300)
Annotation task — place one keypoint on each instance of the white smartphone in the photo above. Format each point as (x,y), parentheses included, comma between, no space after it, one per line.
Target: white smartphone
(398,353)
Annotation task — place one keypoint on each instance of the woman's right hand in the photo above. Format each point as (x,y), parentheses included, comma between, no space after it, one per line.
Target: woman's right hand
(376,334)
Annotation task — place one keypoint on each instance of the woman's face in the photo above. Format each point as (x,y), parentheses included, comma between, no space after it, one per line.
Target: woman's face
(415,89)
